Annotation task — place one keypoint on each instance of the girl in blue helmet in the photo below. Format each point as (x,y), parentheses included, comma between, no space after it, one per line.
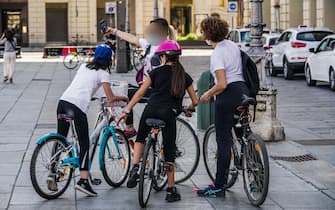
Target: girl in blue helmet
(75,101)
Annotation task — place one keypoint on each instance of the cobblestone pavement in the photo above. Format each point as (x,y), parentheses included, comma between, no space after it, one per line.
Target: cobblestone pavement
(27,111)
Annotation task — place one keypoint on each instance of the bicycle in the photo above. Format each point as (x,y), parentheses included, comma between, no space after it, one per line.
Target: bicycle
(73,59)
(58,156)
(138,58)
(152,172)
(252,158)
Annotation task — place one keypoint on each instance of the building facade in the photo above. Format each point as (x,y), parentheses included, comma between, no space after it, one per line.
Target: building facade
(283,14)
(58,22)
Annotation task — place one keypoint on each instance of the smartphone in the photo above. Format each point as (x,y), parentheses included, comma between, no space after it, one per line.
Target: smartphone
(103,26)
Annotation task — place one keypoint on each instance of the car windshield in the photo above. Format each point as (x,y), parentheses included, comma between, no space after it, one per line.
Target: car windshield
(313,36)
(272,41)
(245,36)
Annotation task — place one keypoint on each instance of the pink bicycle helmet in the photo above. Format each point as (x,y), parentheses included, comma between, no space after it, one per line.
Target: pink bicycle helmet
(169,47)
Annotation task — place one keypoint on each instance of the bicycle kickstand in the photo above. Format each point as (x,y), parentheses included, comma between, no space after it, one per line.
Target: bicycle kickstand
(95,181)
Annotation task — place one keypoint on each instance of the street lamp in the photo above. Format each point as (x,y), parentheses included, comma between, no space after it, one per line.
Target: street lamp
(267,124)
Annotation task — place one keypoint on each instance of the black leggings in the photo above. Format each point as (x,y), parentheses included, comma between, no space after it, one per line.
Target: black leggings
(225,107)
(131,92)
(81,126)
(169,131)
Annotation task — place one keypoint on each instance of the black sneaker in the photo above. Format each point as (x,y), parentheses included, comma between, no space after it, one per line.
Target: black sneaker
(212,191)
(84,186)
(172,195)
(133,177)
(51,183)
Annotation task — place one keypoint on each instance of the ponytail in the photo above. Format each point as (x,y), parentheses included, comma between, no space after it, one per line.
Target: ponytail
(178,80)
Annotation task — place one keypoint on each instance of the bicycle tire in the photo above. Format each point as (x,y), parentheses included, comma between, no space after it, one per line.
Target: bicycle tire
(71,61)
(126,165)
(33,176)
(143,199)
(195,159)
(233,175)
(255,143)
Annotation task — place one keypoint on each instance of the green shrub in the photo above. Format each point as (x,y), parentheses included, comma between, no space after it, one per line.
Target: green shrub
(190,36)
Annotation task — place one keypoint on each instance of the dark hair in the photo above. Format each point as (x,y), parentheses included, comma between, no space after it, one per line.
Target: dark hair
(97,66)
(214,29)
(178,77)
(9,35)
(163,24)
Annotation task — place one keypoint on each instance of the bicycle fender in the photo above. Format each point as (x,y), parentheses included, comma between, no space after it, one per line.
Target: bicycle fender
(52,135)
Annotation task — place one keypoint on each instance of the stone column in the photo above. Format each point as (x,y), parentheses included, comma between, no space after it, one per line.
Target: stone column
(266,124)
(92,7)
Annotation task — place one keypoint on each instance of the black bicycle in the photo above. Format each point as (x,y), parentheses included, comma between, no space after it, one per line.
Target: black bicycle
(248,154)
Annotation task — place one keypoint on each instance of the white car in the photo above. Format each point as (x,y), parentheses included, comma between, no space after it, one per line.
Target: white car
(242,37)
(292,49)
(269,40)
(320,66)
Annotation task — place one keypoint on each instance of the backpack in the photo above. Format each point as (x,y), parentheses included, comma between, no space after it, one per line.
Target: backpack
(250,74)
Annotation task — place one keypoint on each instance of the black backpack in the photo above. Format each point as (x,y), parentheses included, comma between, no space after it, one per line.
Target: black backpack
(250,74)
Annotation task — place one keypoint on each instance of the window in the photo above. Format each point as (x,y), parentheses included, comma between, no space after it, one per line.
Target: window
(245,36)
(323,46)
(285,37)
(331,44)
(272,41)
(313,36)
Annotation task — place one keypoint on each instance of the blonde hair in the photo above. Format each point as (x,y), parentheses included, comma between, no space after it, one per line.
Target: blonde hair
(172,33)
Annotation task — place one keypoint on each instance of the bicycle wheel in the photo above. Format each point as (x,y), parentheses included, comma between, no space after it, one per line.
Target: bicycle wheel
(116,159)
(146,173)
(71,61)
(210,154)
(160,180)
(45,162)
(256,170)
(188,151)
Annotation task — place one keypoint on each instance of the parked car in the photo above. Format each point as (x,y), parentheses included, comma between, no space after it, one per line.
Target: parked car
(241,37)
(269,40)
(320,66)
(292,49)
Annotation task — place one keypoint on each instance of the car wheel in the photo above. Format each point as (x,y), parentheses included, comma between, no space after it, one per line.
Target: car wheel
(332,79)
(309,80)
(288,73)
(272,70)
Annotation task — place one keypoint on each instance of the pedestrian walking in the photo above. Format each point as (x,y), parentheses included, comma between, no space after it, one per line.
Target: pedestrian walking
(10,43)
(226,68)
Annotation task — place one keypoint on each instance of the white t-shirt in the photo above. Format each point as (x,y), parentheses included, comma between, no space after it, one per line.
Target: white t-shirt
(84,85)
(227,56)
(147,64)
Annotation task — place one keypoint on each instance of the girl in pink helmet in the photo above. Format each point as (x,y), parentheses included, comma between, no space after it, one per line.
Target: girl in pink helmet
(169,82)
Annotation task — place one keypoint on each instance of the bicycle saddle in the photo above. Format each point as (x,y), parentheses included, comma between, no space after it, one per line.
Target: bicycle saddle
(65,116)
(155,123)
(246,100)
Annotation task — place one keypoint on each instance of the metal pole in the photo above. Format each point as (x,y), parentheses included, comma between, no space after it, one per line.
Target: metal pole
(77,15)
(155,8)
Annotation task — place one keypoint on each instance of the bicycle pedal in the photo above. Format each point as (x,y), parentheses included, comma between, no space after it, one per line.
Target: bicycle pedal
(96,181)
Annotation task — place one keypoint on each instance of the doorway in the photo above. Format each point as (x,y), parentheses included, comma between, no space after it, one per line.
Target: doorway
(56,23)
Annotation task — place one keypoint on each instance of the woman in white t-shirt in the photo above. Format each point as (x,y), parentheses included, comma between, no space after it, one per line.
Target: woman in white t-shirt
(158,31)
(226,68)
(75,102)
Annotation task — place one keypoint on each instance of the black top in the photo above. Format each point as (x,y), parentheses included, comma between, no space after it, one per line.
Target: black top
(161,78)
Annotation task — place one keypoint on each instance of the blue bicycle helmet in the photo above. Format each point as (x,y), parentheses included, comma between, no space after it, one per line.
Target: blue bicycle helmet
(103,54)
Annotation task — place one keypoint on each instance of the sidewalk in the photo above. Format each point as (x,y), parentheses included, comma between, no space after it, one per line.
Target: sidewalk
(27,111)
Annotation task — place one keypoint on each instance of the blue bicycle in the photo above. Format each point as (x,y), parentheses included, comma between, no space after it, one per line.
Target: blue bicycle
(58,157)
